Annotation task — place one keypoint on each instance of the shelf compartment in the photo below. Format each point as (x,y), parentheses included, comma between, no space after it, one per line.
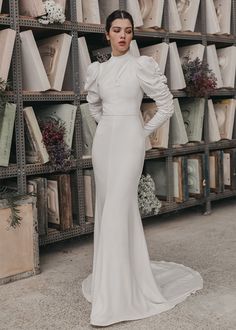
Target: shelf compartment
(185,35)
(178,93)
(170,207)
(9,96)
(42,96)
(223,92)
(35,169)
(181,93)
(85,163)
(83,96)
(166,34)
(8,172)
(223,144)
(220,38)
(70,95)
(5,19)
(94,28)
(150,33)
(25,21)
(48,96)
(56,235)
(217,92)
(227,193)
(177,151)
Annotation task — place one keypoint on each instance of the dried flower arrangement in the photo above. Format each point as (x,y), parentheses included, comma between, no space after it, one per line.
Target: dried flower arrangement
(147,200)
(53,132)
(200,80)
(54,13)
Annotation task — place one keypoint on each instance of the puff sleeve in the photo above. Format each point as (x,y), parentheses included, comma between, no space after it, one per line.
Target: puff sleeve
(93,98)
(153,83)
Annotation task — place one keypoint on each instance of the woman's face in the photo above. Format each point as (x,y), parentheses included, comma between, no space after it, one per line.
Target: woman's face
(120,36)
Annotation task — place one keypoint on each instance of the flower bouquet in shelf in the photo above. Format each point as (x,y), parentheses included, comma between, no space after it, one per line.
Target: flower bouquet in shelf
(54,13)
(53,132)
(200,80)
(147,200)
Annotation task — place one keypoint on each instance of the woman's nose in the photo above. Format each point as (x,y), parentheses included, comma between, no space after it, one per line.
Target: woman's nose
(123,34)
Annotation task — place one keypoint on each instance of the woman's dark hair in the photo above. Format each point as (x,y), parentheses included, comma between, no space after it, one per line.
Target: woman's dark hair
(118,14)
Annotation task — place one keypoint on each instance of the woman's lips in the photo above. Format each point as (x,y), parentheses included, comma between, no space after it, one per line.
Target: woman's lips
(122,43)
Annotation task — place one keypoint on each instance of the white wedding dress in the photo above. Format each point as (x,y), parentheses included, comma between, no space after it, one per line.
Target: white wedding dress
(124,283)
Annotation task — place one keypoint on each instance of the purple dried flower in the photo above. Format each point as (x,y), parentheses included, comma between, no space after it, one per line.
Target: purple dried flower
(53,132)
(200,80)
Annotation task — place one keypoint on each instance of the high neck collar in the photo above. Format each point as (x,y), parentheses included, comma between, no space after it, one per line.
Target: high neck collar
(120,57)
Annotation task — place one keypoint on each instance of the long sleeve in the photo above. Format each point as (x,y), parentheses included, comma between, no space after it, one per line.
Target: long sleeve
(93,98)
(153,83)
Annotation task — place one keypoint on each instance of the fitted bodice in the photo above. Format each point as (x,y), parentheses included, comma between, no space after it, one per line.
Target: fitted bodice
(118,86)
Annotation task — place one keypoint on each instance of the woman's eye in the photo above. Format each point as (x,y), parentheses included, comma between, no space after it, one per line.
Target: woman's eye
(118,30)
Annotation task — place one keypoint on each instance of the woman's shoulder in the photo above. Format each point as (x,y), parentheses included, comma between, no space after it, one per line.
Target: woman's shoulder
(146,63)
(92,74)
(93,70)
(148,70)
(93,67)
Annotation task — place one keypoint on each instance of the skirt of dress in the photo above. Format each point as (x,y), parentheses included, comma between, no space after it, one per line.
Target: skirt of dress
(124,283)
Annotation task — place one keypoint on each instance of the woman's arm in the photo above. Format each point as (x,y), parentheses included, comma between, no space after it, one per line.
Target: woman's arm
(93,98)
(153,83)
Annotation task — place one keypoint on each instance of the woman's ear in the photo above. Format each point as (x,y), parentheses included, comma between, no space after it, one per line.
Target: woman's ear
(107,36)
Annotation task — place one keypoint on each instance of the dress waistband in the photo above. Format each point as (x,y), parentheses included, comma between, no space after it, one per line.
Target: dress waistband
(136,114)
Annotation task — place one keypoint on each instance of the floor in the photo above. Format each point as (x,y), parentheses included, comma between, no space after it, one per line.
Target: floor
(53,299)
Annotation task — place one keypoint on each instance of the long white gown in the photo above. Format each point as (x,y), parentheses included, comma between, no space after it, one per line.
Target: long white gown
(124,283)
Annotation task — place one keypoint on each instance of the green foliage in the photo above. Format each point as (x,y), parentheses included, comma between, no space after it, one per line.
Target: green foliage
(15,219)
(11,196)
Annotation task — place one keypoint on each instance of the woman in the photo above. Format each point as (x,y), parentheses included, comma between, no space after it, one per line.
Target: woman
(124,284)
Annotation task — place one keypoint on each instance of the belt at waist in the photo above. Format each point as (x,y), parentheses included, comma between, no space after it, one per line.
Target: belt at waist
(136,114)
